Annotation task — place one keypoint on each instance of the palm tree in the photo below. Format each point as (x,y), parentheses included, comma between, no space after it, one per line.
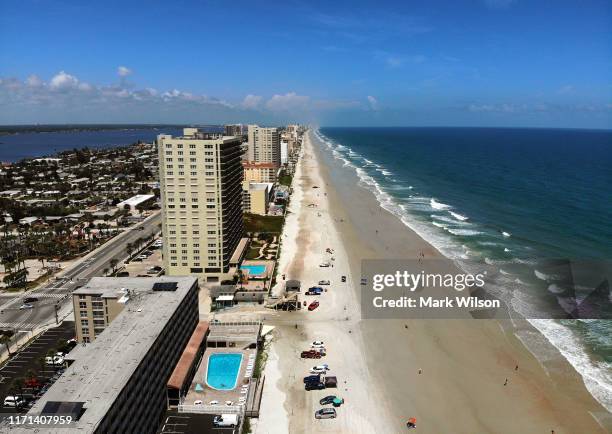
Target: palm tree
(129,248)
(105,271)
(4,339)
(113,264)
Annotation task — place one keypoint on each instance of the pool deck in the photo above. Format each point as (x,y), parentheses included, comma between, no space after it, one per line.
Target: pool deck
(209,394)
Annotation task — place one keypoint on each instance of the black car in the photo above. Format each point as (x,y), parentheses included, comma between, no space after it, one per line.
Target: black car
(343,279)
(327,400)
(30,300)
(314,386)
(312,378)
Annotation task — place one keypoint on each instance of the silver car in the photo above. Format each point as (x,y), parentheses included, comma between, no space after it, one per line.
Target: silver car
(325,413)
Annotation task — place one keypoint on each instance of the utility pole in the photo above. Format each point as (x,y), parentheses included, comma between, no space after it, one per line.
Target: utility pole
(56,316)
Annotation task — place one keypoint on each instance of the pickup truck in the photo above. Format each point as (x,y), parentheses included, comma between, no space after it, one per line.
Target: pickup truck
(314,290)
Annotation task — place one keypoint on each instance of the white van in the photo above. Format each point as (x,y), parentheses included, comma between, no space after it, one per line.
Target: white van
(13,401)
(226,420)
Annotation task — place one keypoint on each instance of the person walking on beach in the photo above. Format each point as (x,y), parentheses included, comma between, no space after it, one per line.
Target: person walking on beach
(506,382)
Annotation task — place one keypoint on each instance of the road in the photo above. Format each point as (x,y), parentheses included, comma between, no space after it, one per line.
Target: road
(56,294)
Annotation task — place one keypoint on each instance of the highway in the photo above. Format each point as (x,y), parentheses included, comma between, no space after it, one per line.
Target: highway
(56,294)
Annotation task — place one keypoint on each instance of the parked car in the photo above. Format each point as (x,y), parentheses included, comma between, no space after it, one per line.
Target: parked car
(343,278)
(226,420)
(324,282)
(312,354)
(123,274)
(313,305)
(315,290)
(314,386)
(325,413)
(71,343)
(154,270)
(26,306)
(54,361)
(319,369)
(316,344)
(324,264)
(312,379)
(142,257)
(327,400)
(30,300)
(13,401)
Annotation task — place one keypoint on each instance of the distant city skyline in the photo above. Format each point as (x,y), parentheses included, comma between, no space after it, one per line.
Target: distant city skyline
(463,63)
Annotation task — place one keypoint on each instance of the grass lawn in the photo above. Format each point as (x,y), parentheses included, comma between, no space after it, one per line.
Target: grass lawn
(263,223)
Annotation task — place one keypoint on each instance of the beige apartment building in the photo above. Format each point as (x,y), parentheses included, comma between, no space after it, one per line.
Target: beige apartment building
(201,194)
(264,145)
(256,197)
(259,172)
(95,308)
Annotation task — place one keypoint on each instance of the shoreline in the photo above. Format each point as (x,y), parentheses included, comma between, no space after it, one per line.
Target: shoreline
(463,363)
(558,375)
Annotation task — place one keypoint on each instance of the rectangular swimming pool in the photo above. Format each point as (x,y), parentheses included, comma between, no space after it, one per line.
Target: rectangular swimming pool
(255,271)
(223,369)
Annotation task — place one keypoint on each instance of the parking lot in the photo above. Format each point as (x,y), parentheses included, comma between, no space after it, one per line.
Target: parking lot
(30,360)
(143,266)
(183,423)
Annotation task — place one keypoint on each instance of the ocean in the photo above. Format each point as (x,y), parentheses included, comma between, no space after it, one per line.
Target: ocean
(526,202)
(15,147)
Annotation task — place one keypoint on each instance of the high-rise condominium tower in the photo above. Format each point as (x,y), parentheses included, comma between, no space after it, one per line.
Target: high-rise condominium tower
(200,180)
(264,145)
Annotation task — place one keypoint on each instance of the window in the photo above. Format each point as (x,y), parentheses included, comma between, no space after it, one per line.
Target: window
(192,153)
(82,297)
(194,206)
(192,146)
(85,338)
(194,173)
(169,160)
(168,146)
(180,146)
(82,304)
(173,264)
(168,152)
(84,322)
(83,314)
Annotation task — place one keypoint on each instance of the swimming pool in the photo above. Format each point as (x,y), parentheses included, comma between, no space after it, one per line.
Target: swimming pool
(255,270)
(223,369)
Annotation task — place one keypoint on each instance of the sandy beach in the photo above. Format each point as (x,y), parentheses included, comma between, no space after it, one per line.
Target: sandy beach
(449,374)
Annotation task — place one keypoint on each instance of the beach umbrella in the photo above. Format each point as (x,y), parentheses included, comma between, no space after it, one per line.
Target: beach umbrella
(337,401)
(412,420)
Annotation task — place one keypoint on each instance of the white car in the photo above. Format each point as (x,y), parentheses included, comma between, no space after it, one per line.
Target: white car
(318,344)
(324,264)
(26,306)
(319,369)
(54,361)
(324,282)
(13,401)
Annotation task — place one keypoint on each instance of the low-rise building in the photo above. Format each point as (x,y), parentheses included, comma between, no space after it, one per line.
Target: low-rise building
(259,172)
(256,196)
(117,384)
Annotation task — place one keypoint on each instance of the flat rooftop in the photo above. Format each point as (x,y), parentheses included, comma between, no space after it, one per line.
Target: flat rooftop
(102,368)
(240,331)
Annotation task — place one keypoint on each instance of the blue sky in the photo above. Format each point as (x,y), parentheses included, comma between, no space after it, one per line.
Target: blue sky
(449,63)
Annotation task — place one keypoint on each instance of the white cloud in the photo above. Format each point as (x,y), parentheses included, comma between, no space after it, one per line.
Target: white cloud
(251,101)
(287,102)
(373,102)
(563,90)
(124,71)
(63,81)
